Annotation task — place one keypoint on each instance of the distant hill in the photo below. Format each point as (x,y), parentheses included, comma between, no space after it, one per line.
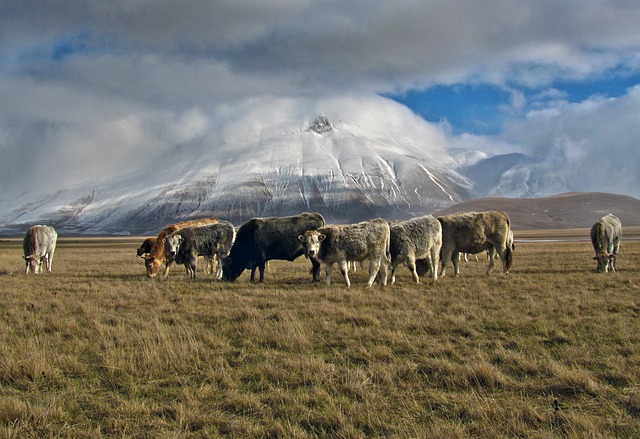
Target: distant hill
(565,211)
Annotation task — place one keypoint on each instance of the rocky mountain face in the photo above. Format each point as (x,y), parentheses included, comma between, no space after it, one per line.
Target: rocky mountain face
(343,170)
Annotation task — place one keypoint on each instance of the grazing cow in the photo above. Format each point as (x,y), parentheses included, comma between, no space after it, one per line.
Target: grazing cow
(474,232)
(157,255)
(353,242)
(417,238)
(605,237)
(262,239)
(211,240)
(39,244)
(145,247)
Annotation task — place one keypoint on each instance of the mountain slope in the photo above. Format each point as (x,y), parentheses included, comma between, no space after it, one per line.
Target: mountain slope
(569,210)
(347,171)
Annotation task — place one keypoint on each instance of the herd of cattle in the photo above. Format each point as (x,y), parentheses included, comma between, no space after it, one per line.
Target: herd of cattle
(419,243)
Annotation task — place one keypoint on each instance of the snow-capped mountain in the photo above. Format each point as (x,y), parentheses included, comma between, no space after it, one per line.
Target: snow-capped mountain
(512,175)
(347,170)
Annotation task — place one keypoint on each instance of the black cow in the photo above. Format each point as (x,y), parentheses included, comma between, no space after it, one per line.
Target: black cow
(262,239)
(145,247)
(211,240)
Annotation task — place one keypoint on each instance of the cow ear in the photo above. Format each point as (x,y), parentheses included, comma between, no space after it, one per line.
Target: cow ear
(302,238)
(321,237)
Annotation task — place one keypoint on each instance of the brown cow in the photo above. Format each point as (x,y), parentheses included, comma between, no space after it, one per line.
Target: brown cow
(158,254)
(474,232)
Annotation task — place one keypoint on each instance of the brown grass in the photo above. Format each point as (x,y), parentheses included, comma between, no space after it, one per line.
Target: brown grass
(97,349)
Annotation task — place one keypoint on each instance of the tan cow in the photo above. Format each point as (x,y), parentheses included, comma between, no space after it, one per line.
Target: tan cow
(474,232)
(158,254)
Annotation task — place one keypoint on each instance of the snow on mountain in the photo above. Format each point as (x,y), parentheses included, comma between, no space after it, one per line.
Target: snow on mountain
(514,175)
(347,169)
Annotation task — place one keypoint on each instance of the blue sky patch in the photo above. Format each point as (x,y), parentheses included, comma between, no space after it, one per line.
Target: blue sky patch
(483,109)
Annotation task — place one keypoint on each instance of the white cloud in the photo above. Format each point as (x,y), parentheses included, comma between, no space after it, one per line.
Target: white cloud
(593,144)
(92,86)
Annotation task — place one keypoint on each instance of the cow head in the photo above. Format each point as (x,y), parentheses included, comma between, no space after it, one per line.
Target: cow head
(33,263)
(172,245)
(152,265)
(603,261)
(312,240)
(230,270)
(222,249)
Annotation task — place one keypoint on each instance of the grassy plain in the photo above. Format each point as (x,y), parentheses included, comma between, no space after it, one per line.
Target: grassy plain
(95,349)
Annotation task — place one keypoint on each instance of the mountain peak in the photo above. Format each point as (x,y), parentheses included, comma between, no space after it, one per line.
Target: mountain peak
(321,125)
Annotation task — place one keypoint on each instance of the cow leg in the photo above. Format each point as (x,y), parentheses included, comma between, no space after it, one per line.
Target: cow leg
(411,264)
(383,268)
(210,265)
(253,275)
(374,267)
(315,270)
(445,258)
(49,262)
(492,256)
(167,264)
(455,258)
(261,268)
(329,270)
(219,269)
(433,262)
(394,266)
(614,264)
(46,264)
(344,269)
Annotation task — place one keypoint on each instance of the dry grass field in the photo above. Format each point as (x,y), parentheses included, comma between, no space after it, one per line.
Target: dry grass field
(97,349)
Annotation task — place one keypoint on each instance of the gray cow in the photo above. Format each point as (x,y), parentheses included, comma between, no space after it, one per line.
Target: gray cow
(475,232)
(417,238)
(353,242)
(39,244)
(605,237)
(185,245)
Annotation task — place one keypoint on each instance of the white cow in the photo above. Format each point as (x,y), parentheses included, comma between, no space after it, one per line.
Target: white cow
(417,238)
(606,235)
(39,245)
(354,242)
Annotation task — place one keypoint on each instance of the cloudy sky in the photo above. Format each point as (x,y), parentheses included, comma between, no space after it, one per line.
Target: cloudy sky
(87,86)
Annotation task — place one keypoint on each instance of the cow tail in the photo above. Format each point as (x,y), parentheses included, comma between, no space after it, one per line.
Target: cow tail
(387,251)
